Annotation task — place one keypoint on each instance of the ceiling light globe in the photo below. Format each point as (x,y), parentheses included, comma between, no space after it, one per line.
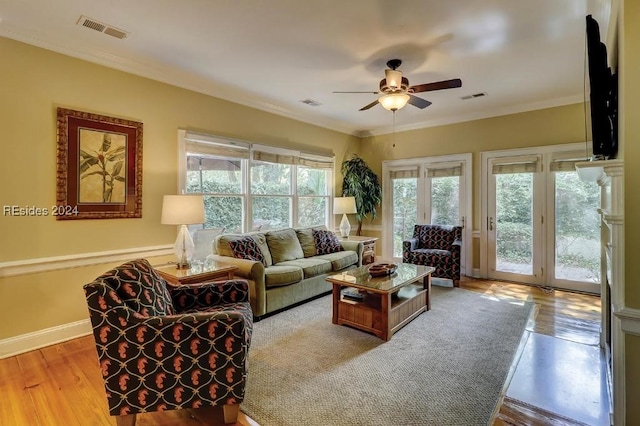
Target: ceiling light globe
(394,101)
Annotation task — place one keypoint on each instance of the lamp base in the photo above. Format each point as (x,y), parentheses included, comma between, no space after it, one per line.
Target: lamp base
(345,227)
(180,265)
(183,248)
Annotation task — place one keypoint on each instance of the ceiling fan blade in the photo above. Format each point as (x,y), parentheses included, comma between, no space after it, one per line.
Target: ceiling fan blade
(418,102)
(373,93)
(371,105)
(438,85)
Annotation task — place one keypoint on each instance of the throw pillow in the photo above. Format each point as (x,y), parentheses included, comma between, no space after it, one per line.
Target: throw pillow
(247,248)
(326,242)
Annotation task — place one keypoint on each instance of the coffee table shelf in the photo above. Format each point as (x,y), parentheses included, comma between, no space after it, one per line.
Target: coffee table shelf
(390,302)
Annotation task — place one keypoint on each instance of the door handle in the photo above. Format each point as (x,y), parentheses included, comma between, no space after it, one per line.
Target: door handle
(490,223)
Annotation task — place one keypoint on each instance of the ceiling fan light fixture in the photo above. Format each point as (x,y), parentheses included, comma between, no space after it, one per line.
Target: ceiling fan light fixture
(394,101)
(394,79)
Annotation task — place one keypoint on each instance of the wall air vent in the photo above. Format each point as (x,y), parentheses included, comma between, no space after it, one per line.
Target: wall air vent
(100,27)
(475,95)
(311,102)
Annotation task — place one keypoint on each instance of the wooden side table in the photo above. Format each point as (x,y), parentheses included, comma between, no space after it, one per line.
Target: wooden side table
(369,252)
(199,273)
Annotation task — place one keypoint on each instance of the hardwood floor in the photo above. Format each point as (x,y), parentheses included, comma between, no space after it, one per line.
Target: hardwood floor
(61,384)
(559,314)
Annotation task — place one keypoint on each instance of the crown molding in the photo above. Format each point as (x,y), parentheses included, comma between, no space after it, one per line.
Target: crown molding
(489,113)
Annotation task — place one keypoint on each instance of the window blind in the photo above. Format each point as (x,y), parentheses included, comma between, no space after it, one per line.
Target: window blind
(316,163)
(525,164)
(436,172)
(270,157)
(404,174)
(199,144)
(566,161)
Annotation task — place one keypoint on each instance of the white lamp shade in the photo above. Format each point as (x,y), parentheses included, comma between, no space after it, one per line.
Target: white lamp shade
(394,79)
(182,209)
(344,205)
(394,101)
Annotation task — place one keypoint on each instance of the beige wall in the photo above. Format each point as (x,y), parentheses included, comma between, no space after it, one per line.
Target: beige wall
(550,126)
(33,83)
(630,132)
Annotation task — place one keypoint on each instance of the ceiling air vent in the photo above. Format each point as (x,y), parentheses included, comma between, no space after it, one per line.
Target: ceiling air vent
(311,102)
(103,28)
(475,95)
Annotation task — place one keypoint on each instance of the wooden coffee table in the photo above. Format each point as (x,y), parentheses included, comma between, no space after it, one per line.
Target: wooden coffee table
(388,302)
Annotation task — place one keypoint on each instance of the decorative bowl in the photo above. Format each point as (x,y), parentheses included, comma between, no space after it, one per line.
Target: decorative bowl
(381,269)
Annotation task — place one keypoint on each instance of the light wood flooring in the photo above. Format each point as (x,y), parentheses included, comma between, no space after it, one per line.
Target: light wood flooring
(61,384)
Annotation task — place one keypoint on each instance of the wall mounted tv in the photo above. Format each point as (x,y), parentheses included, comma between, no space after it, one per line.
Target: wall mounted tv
(603,96)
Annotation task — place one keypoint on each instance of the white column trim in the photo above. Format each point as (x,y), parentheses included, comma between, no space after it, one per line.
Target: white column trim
(629,320)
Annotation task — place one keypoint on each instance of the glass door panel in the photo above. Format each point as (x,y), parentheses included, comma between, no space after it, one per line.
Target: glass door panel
(514,223)
(405,211)
(577,229)
(445,200)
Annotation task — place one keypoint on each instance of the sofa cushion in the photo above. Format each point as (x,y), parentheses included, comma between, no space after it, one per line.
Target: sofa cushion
(311,266)
(279,275)
(284,245)
(247,248)
(326,242)
(224,249)
(341,259)
(305,236)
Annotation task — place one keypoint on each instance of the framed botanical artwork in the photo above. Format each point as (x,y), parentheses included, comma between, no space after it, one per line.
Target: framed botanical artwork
(99,166)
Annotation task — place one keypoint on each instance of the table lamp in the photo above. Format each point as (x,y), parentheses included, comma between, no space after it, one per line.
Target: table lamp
(344,206)
(183,210)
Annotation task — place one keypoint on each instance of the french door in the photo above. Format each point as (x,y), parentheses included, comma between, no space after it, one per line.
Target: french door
(542,222)
(514,219)
(433,190)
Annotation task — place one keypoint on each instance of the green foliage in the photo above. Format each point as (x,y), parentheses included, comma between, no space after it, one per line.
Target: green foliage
(577,230)
(271,202)
(360,182)
(405,211)
(514,242)
(445,208)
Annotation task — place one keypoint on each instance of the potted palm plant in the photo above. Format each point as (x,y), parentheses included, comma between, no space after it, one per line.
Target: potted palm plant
(360,182)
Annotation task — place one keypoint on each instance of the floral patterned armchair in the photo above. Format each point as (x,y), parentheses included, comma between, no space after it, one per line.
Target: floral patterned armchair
(163,347)
(437,246)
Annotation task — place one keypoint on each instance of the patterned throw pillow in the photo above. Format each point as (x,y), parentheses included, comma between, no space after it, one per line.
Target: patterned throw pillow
(326,242)
(247,248)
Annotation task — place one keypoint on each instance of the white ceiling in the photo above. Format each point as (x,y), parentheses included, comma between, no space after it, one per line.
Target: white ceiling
(272,54)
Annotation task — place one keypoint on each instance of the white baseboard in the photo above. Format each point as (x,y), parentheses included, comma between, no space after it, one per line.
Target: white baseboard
(475,273)
(41,338)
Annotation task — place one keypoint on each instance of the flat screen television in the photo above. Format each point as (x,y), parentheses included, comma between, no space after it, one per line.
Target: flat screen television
(603,96)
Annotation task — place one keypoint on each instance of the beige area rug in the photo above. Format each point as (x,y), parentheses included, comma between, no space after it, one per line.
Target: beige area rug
(446,367)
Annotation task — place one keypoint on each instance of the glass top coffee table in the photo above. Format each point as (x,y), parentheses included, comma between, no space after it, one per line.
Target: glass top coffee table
(381,305)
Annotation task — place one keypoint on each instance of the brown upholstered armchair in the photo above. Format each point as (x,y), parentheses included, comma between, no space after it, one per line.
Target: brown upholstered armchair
(437,246)
(162,347)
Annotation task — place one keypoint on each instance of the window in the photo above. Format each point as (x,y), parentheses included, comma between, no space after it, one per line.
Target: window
(256,187)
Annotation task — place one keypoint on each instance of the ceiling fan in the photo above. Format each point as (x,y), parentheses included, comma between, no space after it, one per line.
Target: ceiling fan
(396,92)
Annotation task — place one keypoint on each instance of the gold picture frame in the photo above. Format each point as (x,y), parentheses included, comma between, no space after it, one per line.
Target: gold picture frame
(99,166)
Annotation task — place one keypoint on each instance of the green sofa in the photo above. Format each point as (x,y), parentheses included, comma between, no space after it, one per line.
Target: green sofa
(291,272)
